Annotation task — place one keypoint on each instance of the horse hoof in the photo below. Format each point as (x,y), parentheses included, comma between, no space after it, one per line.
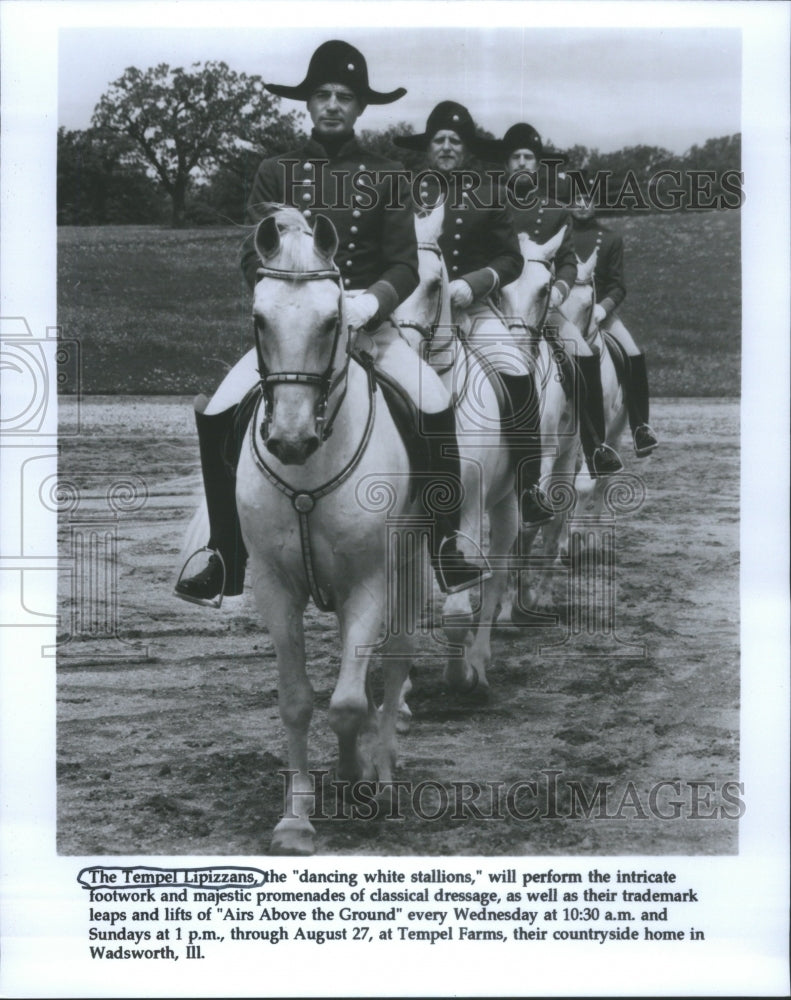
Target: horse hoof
(475,690)
(403,722)
(293,841)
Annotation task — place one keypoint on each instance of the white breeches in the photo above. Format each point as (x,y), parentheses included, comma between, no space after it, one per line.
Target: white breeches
(614,326)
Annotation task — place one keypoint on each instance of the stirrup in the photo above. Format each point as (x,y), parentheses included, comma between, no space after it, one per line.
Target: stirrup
(609,454)
(538,501)
(206,602)
(481,574)
(648,448)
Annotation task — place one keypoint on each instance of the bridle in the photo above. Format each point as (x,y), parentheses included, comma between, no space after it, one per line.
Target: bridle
(536,331)
(304,500)
(324,380)
(426,330)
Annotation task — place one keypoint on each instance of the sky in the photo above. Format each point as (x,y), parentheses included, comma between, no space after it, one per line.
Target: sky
(602,87)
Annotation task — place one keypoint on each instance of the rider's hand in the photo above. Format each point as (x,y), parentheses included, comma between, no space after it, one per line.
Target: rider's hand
(460,293)
(555,297)
(599,313)
(361,309)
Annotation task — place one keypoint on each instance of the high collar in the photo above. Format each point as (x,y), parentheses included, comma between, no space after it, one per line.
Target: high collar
(332,149)
(591,223)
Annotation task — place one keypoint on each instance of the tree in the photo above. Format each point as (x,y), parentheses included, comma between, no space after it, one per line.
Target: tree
(95,187)
(184,123)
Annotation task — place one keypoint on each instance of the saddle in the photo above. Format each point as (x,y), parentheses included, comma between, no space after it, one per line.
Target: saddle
(620,358)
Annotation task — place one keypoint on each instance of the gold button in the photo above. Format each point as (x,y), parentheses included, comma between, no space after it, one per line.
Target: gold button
(356,213)
(455,253)
(306,196)
(454,268)
(457,236)
(350,66)
(307,166)
(306,213)
(362,166)
(347,281)
(458,221)
(307,180)
(353,229)
(352,246)
(348,263)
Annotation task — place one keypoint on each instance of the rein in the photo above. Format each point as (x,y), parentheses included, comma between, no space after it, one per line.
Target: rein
(303,500)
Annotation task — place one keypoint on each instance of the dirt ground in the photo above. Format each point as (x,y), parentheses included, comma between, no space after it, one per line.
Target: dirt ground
(169,738)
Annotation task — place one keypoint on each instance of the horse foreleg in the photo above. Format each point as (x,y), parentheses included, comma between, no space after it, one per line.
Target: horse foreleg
(350,709)
(502,520)
(396,661)
(294,834)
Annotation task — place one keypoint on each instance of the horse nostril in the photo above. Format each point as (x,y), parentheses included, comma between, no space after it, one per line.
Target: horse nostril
(311,445)
(273,444)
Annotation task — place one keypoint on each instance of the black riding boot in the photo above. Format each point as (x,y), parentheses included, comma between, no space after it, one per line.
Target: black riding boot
(637,405)
(218,457)
(452,570)
(522,429)
(601,459)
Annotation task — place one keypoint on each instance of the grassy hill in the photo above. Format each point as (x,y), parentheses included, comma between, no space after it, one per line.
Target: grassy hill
(167,311)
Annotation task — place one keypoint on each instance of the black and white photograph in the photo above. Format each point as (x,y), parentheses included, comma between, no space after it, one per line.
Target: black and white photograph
(395,493)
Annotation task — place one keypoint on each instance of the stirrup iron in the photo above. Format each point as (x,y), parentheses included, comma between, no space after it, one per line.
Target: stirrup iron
(206,602)
(484,573)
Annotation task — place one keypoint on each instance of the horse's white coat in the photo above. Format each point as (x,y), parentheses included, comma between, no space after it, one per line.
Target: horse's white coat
(487,476)
(349,538)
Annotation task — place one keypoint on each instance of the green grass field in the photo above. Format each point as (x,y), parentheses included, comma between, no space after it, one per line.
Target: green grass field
(161,311)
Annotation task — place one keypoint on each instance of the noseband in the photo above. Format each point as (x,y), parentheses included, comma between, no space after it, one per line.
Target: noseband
(324,380)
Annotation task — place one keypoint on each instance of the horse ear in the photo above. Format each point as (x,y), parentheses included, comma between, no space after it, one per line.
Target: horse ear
(325,239)
(428,227)
(587,267)
(267,238)
(550,248)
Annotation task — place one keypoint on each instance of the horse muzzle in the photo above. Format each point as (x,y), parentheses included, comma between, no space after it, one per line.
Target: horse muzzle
(292,450)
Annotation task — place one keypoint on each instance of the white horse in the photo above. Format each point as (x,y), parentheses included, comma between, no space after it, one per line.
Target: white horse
(526,303)
(314,508)
(578,309)
(486,469)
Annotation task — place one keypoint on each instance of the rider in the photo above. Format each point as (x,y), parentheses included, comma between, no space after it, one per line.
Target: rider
(481,252)
(537,211)
(589,234)
(377,261)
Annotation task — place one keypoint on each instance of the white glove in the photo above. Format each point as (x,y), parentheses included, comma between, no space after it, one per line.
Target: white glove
(361,309)
(460,293)
(555,297)
(599,313)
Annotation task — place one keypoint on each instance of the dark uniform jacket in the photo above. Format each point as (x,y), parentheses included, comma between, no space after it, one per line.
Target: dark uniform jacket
(478,242)
(377,249)
(610,284)
(541,222)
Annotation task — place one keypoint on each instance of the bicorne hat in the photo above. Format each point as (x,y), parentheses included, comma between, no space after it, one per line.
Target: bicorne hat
(520,136)
(337,62)
(455,118)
